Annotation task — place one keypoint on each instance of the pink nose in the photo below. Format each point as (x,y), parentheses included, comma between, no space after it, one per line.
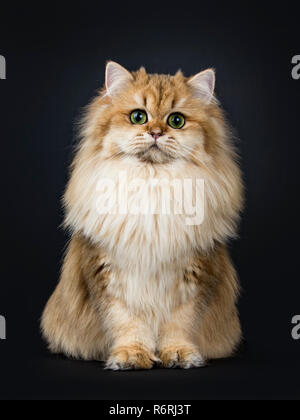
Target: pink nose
(156,134)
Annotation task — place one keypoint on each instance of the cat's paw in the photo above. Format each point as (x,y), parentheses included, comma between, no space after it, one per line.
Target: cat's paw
(133,357)
(185,357)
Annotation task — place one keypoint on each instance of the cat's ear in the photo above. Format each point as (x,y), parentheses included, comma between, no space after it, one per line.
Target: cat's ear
(116,78)
(203,85)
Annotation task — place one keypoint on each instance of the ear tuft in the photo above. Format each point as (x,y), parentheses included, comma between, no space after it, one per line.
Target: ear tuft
(116,78)
(203,85)
(179,75)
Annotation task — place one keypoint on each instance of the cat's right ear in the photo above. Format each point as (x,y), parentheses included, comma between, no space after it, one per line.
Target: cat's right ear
(116,78)
(203,85)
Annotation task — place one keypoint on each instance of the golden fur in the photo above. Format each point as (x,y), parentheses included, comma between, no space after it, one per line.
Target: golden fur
(141,289)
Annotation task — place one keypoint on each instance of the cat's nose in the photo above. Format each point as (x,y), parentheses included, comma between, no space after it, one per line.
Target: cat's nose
(156,134)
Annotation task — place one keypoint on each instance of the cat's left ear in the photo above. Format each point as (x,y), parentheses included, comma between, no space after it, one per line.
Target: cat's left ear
(203,85)
(116,78)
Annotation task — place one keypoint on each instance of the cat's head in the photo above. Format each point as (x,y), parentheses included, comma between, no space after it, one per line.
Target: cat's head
(156,118)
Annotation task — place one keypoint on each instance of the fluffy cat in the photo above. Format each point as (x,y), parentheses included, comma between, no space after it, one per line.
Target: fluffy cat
(140,289)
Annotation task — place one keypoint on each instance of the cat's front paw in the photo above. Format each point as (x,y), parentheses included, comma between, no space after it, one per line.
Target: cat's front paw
(133,357)
(185,357)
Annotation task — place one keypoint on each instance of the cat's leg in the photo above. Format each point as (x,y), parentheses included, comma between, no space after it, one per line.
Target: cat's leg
(176,347)
(70,322)
(207,326)
(83,320)
(218,331)
(133,342)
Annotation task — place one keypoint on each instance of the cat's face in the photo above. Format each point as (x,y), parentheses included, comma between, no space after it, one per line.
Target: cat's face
(156,118)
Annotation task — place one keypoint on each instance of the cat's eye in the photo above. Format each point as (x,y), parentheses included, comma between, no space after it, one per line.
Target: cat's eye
(138,117)
(176,121)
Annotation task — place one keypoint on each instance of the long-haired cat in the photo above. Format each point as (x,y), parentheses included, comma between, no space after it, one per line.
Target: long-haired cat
(140,289)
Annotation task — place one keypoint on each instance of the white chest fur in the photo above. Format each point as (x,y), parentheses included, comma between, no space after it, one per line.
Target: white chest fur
(155,235)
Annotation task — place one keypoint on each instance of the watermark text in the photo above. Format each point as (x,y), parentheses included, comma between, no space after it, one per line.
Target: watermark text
(296,68)
(2,328)
(2,68)
(296,328)
(152,196)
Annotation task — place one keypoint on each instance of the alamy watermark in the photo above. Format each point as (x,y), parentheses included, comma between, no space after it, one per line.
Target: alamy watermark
(296,328)
(152,196)
(2,319)
(2,67)
(296,319)
(296,68)
(2,328)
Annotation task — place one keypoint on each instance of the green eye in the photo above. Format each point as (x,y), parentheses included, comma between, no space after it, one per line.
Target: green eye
(176,121)
(138,117)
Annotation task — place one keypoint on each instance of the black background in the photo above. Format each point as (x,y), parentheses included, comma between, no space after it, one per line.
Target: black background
(55,63)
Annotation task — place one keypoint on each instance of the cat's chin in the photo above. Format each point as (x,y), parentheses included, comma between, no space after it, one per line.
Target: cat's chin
(155,155)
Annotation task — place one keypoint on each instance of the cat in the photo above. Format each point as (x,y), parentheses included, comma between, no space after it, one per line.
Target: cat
(143,289)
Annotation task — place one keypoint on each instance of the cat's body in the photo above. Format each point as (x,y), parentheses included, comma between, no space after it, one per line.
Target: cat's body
(136,289)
